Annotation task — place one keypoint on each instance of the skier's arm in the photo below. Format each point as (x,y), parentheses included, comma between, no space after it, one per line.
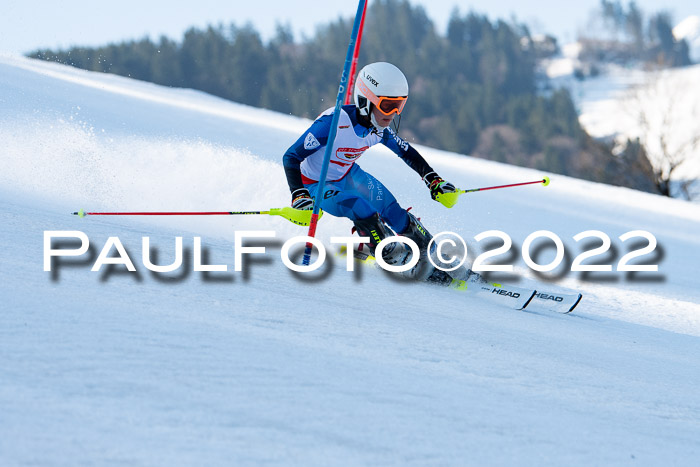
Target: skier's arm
(406,152)
(412,157)
(308,143)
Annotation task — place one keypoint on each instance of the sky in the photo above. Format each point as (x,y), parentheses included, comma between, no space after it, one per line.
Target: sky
(27,25)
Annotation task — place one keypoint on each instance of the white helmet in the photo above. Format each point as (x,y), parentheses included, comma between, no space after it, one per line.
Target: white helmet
(383,85)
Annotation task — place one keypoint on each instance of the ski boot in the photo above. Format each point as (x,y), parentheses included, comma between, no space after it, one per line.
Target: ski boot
(394,254)
(425,269)
(398,253)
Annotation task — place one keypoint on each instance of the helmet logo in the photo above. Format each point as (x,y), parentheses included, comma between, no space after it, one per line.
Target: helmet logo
(371,80)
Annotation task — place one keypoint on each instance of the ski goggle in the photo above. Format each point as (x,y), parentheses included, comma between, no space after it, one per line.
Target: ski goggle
(386,105)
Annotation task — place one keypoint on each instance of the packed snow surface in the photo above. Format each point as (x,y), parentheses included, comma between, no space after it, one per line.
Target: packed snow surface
(267,366)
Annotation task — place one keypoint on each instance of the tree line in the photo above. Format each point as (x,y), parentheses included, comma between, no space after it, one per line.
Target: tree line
(625,34)
(472,91)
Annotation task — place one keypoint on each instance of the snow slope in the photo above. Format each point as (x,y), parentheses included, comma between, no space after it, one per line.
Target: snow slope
(668,100)
(266,366)
(611,105)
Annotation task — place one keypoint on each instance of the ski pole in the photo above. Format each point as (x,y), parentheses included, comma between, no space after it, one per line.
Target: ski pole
(450,199)
(544,182)
(295,216)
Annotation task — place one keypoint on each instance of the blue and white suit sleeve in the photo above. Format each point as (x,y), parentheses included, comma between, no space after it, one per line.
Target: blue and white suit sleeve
(302,149)
(406,152)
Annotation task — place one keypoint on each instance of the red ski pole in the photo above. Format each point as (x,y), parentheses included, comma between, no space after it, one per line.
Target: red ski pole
(544,181)
(450,199)
(355,55)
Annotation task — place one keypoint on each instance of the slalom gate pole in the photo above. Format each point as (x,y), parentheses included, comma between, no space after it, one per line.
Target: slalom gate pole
(334,130)
(355,55)
(292,215)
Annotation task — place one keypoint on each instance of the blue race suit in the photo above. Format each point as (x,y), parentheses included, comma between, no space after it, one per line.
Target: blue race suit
(349,191)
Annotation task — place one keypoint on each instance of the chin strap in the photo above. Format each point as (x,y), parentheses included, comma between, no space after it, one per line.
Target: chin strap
(380,129)
(397,123)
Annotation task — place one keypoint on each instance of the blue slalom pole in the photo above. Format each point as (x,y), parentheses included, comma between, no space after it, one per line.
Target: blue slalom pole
(334,129)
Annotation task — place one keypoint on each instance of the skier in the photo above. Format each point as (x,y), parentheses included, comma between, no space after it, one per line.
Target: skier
(381,91)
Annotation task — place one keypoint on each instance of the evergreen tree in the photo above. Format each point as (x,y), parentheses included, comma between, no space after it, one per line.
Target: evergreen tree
(480,76)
